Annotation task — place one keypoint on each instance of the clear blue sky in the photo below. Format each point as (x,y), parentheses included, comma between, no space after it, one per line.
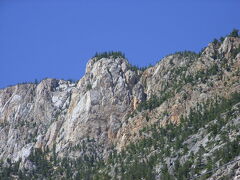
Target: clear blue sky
(46,38)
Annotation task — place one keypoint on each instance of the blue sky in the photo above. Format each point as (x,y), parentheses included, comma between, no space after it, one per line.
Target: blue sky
(50,38)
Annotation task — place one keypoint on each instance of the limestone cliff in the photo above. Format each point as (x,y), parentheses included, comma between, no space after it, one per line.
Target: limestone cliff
(110,105)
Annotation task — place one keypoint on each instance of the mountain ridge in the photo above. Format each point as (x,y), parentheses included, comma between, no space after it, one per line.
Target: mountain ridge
(116,106)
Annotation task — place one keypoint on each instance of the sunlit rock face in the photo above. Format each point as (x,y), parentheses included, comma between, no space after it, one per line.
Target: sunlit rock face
(103,106)
(60,113)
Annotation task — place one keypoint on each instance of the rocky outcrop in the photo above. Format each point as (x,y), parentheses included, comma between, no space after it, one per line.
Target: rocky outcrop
(104,104)
(28,111)
(56,112)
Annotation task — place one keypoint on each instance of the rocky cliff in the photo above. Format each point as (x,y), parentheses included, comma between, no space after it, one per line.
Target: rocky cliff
(118,118)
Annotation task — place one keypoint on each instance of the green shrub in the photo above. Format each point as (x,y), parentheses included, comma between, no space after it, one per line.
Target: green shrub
(234,52)
(234,33)
(110,54)
(215,41)
(89,87)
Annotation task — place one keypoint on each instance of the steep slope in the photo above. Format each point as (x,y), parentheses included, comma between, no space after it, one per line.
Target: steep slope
(175,120)
(181,81)
(60,114)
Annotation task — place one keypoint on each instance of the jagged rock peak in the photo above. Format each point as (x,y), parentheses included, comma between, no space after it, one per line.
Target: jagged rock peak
(107,62)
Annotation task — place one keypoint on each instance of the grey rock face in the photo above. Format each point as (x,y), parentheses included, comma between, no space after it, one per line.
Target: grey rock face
(100,100)
(27,111)
(58,114)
